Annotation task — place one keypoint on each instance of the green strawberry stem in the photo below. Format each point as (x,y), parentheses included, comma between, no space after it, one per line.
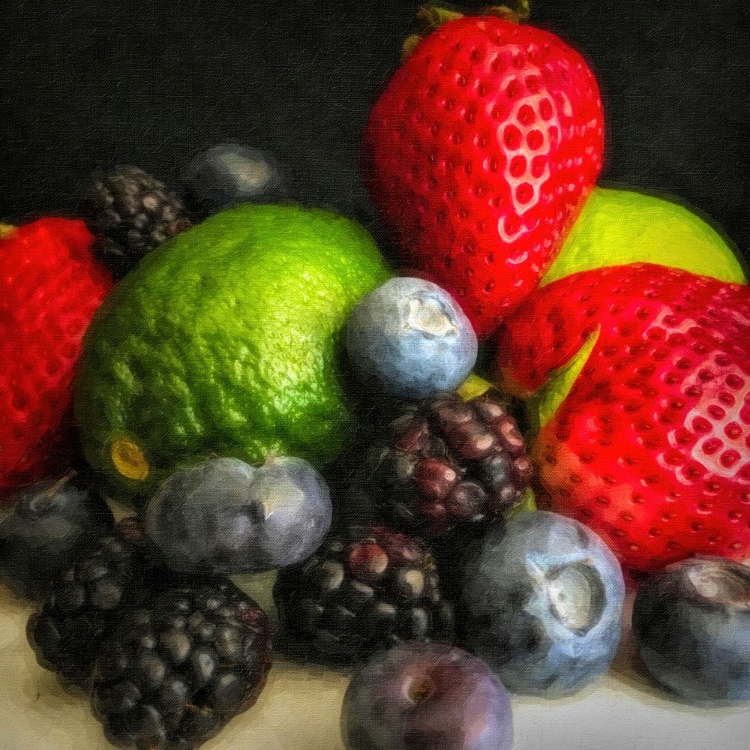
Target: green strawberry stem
(431,17)
(514,11)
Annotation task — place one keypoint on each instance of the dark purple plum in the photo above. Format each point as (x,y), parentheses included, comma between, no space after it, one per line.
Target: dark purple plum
(691,626)
(426,695)
(410,339)
(542,601)
(226,516)
(49,525)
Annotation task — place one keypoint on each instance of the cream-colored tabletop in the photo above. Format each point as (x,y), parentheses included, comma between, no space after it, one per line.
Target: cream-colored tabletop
(299,708)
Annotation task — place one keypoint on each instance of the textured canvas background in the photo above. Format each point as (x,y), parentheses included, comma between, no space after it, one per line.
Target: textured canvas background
(85,84)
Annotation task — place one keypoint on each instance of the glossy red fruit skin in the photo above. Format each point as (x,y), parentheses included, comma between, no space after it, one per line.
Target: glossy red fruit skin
(50,287)
(651,446)
(479,154)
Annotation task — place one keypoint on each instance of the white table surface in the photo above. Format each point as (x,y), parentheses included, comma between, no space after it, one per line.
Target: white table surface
(299,708)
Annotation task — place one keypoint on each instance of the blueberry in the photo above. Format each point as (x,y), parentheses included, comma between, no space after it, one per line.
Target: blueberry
(227,516)
(691,626)
(543,601)
(426,695)
(410,338)
(45,531)
(231,173)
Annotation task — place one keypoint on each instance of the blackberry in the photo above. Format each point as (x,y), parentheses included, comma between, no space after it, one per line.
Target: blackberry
(87,602)
(354,597)
(175,671)
(130,213)
(446,464)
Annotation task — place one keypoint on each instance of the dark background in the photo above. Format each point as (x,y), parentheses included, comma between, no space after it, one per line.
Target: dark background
(85,84)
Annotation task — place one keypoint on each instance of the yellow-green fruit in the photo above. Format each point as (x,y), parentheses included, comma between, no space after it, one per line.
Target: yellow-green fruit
(617,227)
(225,340)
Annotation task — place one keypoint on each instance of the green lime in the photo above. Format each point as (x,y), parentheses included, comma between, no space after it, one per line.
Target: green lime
(225,340)
(617,227)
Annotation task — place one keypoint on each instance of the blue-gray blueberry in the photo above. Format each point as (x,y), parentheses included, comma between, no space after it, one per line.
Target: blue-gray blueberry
(230,173)
(410,338)
(426,695)
(226,516)
(543,603)
(45,530)
(691,626)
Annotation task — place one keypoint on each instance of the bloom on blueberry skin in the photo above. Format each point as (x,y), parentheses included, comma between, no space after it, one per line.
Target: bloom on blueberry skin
(543,600)
(410,337)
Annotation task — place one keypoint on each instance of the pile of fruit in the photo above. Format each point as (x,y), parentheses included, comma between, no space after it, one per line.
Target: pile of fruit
(459,463)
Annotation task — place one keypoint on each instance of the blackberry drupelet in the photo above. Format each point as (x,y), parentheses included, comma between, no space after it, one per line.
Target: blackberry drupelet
(177,669)
(131,213)
(87,602)
(353,597)
(447,464)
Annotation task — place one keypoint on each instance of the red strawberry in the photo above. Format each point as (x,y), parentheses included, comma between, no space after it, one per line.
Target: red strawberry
(651,445)
(50,287)
(479,154)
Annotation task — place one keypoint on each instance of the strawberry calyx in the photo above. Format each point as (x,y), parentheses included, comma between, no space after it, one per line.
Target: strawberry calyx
(544,403)
(473,387)
(432,16)
(514,11)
